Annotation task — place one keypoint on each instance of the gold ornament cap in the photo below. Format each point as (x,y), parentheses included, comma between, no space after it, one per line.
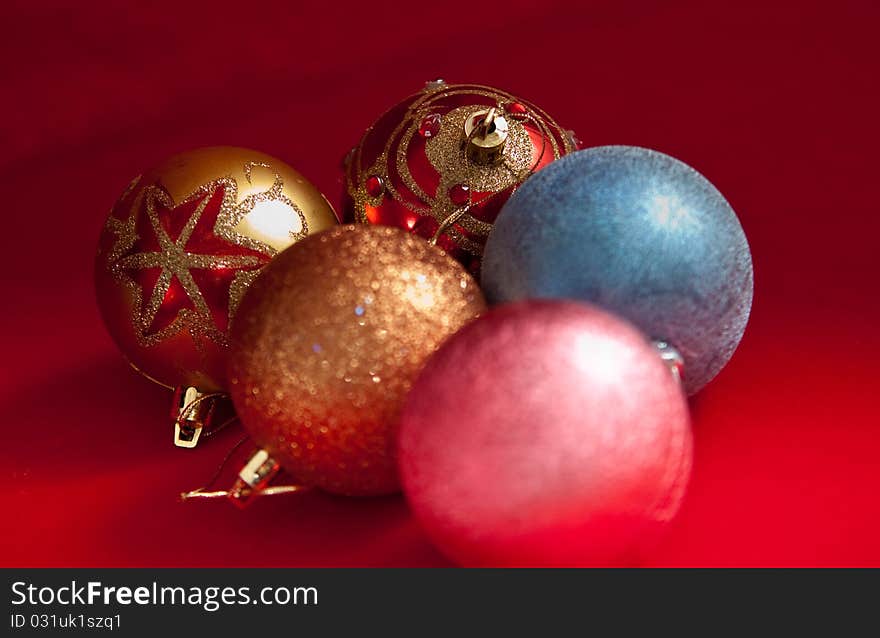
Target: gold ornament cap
(486,134)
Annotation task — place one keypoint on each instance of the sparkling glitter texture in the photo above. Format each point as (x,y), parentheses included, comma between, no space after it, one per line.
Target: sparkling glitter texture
(417,151)
(639,233)
(569,444)
(326,345)
(181,246)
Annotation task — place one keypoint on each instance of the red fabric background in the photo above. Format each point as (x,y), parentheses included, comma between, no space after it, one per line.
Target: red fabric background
(777,103)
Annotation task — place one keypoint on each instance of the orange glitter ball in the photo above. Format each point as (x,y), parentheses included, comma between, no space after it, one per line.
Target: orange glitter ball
(327,343)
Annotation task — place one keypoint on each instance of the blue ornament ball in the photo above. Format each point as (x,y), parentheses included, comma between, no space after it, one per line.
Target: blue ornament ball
(636,232)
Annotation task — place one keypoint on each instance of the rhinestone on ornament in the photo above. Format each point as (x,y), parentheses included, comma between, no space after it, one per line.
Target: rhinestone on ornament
(460,194)
(430,125)
(375,186)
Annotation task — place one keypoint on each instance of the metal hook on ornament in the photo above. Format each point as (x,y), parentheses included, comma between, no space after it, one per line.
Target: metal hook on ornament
(252,480)
(671,357)
(192,413)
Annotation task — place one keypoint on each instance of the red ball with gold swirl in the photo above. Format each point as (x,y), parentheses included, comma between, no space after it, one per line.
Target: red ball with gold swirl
(442,163)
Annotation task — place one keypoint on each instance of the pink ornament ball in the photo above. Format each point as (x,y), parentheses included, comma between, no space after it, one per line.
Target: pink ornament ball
(545,433)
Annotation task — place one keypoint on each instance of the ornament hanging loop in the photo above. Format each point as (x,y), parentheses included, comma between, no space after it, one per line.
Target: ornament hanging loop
(487,125)
(193,413)
(253,478)
(486,135)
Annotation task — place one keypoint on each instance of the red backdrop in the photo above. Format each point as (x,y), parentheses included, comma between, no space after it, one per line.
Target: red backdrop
(777,103)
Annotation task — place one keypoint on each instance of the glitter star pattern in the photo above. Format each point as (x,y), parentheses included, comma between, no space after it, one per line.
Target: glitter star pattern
(169,255)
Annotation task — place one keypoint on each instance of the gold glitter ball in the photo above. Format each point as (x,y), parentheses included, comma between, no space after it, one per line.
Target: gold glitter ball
(327,343)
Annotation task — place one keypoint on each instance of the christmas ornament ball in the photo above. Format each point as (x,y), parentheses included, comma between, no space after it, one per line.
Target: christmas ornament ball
(180,247)
(639,233)
(327,343)
(443,161)
(569,444)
